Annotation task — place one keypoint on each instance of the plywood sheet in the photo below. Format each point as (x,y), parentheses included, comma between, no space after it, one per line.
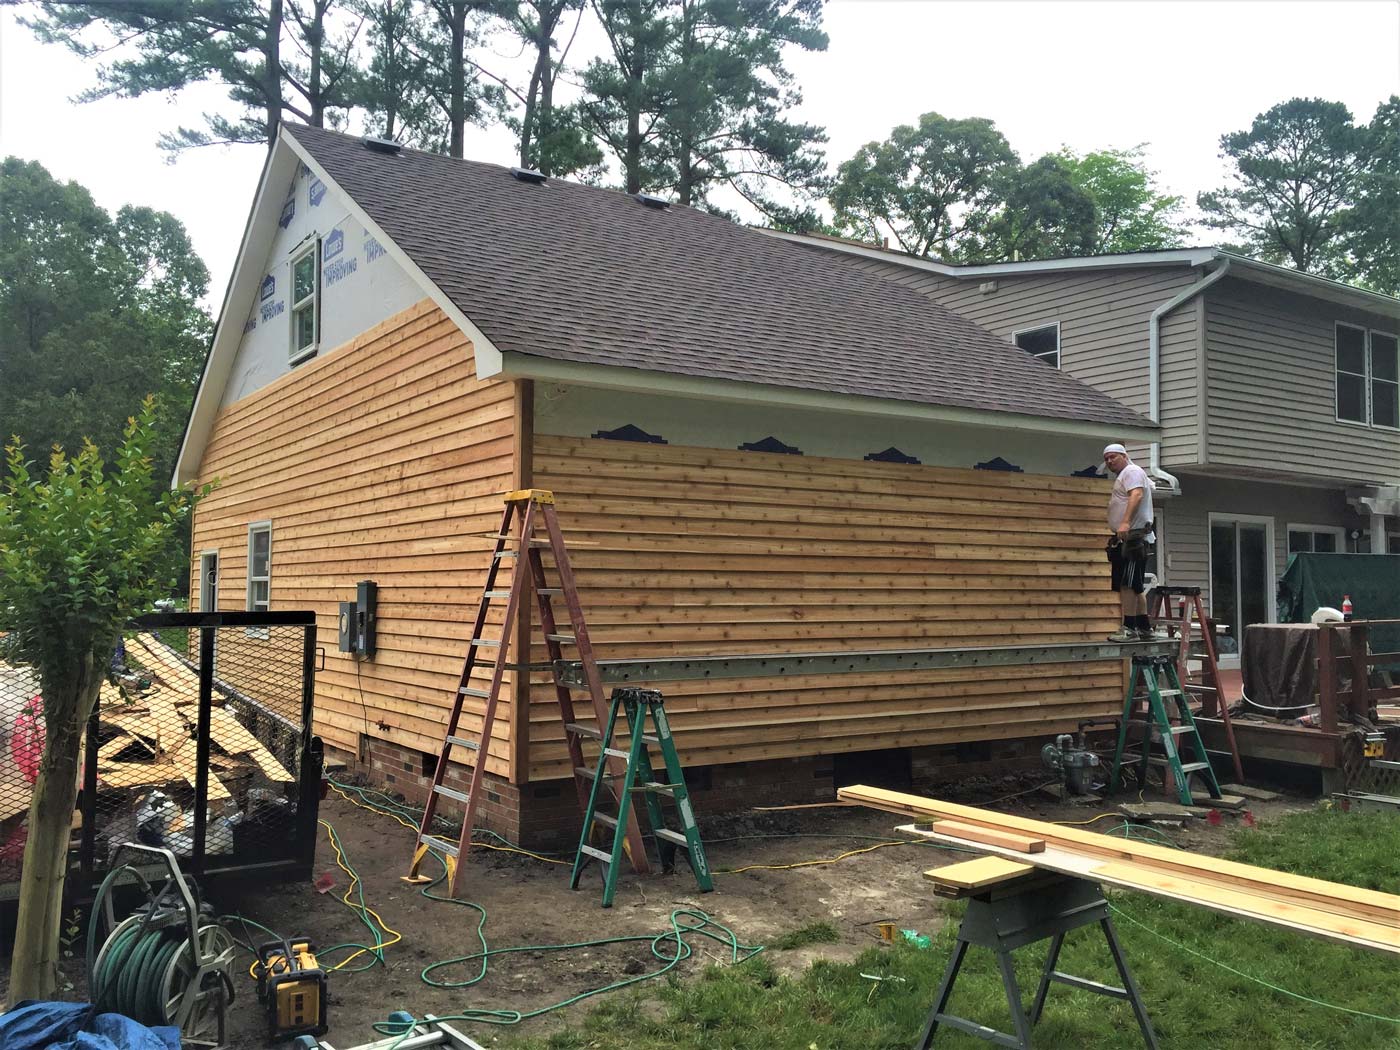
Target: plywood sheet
(233,737)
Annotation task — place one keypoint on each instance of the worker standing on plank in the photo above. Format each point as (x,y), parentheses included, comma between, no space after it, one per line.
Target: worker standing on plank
(1130,543)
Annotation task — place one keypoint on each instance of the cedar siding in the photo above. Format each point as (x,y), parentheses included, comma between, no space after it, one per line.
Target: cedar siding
(690,551)
(1103,319)
(1272,387)
(384,460)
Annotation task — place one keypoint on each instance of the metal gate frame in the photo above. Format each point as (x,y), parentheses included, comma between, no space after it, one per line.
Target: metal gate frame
(208,624)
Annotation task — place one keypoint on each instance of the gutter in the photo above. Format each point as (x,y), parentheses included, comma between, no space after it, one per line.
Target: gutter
(1154,359)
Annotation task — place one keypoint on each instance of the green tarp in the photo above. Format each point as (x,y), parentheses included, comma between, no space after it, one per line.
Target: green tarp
(1372,581)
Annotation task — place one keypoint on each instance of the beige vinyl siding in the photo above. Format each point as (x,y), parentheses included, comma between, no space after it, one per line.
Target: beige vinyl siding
(1271,379)
(1188,519)
(385,460)
(1103,317)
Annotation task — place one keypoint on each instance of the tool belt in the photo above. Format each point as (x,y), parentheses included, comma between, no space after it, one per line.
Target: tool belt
(1132,545)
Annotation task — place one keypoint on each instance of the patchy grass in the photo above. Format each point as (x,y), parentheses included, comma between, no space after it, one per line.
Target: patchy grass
(814,933)
(1192,1002)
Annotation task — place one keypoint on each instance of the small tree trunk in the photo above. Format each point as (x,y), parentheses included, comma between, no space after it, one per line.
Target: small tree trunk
(34,963)
(272,70)
(457,102)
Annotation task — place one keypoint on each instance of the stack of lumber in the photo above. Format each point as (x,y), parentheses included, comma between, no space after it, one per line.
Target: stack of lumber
(1330,910)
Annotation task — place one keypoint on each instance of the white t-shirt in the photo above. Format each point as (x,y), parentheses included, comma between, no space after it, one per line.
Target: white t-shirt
(1132,477)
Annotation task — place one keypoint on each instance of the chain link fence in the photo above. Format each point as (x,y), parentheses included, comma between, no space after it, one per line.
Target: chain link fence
(201,743)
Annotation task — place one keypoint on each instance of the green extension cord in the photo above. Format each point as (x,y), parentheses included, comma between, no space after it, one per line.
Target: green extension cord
(671,948)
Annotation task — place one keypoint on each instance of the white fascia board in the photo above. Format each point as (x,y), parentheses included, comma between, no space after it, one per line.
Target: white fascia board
(1179,257)
(488,358)
(258,235)
(525,366)
(1309,284)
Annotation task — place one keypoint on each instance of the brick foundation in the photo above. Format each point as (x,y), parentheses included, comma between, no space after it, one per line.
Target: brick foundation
(545,815)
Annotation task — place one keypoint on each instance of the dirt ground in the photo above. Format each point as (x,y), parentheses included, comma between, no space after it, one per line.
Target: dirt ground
(528,902)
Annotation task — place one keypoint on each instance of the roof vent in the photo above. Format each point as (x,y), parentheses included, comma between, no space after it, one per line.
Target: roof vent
(528,175)
(653,201)
(377,145)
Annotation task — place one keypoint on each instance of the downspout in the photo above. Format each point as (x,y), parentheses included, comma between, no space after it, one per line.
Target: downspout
(1154,358)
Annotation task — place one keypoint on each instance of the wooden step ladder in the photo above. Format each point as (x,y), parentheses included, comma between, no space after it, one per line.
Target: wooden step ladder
(1165,719)
(1181,611)
(533,509)
(639,779)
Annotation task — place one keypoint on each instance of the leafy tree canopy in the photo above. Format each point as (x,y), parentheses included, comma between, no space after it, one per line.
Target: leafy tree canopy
(1132,214)
(96,312)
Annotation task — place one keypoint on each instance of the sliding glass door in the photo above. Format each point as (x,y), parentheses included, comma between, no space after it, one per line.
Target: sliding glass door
(1241,576)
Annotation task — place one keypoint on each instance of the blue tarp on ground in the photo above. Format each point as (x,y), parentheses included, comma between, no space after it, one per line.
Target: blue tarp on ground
(32,1025)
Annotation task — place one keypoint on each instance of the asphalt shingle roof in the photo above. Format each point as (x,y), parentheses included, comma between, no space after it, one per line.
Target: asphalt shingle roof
(576,273)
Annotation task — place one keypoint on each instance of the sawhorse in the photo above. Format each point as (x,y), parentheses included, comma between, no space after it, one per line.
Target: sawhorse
(1020,911)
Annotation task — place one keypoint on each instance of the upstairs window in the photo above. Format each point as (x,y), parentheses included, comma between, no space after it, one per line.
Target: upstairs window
(306,295)
(1042,342)
(1368,377)
(1385,380)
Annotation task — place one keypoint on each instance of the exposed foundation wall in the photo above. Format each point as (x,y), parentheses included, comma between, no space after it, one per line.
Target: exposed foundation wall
(384,460)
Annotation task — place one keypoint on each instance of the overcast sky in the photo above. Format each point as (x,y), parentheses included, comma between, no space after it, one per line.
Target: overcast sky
(1173,75)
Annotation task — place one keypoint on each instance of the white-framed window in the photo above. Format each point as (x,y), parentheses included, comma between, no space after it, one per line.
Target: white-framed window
(260,566)
(209,581)
(1042,341)
(1368,376)
(1316,539)
(306,301)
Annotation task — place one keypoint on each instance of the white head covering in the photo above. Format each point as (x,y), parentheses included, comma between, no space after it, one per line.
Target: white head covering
(1115,447)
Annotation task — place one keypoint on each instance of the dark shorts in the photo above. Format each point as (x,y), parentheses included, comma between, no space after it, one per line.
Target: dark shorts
(1127,560)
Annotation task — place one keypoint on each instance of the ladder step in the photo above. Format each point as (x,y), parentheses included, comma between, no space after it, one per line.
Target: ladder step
(584,771)
(441,845)
(578,730)
(674,837)
(497,594)
(493,643)
(467,690)
(596,854)
(658,789)
(461,741)
(613,752)
(455,795)
(549,590)
(566,639)
(603,818)
(1175,730)
(651,739)
(505,554)
(1186,767)
(1169,692)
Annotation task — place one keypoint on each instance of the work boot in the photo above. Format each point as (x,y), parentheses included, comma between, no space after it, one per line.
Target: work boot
(1152,634)
(1125,634)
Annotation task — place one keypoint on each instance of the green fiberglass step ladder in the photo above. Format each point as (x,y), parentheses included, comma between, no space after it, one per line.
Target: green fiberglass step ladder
(638,778)
(1163,712)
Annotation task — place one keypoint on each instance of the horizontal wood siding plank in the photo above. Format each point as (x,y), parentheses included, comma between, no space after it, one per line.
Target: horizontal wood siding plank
(687,551)
(385,460)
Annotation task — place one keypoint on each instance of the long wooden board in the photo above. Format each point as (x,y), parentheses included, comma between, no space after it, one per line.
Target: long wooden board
(230,734)
(1340,899)
(1143,878)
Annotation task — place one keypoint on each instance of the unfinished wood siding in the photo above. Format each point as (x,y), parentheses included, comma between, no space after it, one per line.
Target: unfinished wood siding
(1272,387)
(385,460)
(1103,323)
(686,551)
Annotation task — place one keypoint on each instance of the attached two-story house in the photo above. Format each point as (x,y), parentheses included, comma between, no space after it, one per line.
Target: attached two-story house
(1278,395)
